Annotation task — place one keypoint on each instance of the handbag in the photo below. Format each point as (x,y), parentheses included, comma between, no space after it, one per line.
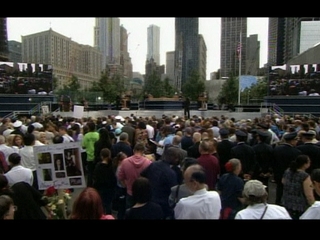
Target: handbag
(264,212)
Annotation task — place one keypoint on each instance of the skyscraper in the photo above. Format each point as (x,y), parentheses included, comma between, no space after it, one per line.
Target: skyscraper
(4,52)
(186,49)
(125,59)
(153,44)
(107,40)
(253,55)
(232,47)
(276,41)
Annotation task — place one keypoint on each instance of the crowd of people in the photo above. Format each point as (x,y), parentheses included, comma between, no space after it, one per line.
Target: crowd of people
(173,167)
(301,87)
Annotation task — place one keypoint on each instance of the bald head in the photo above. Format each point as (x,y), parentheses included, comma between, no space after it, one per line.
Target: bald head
(196,173)
(176,140)
(196,137)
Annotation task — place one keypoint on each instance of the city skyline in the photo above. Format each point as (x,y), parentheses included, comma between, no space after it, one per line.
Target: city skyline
(81,31)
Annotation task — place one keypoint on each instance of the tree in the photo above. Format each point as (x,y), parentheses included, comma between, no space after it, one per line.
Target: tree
(168,89)
(154,86)
(109,86)
(72,89)
(229,91)
(54,83)
(194,86)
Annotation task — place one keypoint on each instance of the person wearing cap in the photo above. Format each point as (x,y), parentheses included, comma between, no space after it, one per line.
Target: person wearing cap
(245,154)
(223,148)
(272,138)
(17,128)
(313,212)
(255,197)
(230,187)
(283,155)
(297,187)
(310,149)
(264,156)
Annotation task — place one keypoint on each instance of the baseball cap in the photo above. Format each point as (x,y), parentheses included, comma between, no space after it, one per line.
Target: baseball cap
(254,188)
(290,136)
(118,131)
(17,123)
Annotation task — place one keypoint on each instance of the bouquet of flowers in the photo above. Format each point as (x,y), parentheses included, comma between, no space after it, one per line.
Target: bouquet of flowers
(57,202)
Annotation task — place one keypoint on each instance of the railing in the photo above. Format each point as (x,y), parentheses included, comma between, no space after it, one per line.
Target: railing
(277,110)
(33,111)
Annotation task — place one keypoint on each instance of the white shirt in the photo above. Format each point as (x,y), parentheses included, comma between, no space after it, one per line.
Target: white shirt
(313,212)
(255,212)
(6,150)
(215,130)
(274,137)
(38,143)
(202,204)
(159,149)
(150,131)
(19,174)
(67,138)
(27,157)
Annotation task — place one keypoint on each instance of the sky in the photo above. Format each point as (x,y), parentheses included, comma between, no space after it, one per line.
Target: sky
(81,30)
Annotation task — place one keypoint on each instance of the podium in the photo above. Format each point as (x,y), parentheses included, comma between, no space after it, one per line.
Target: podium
(203,103)
(124,103)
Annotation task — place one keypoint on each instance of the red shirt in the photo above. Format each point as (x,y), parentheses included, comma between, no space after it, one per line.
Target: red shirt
(212,168)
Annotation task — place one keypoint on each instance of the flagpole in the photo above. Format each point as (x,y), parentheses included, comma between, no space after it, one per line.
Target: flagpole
(239,91)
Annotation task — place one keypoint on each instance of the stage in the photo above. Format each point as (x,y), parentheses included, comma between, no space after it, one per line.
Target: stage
(159,113)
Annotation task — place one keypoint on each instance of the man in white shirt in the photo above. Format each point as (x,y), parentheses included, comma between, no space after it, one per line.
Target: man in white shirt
(64,133)
(150,129)
(27,157)
(18,173)
(203,204)
(313,212)
(255,195)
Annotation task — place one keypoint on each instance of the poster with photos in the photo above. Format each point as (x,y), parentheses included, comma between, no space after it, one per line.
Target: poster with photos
(59,165)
